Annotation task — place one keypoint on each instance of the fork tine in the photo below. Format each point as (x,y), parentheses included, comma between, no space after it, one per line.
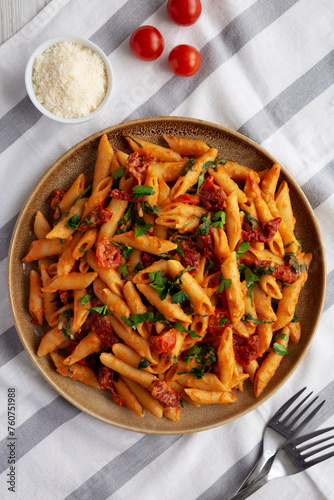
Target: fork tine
(293,411)
(318,450)
(286,405)
(308,418)
(307,437)
(318,460)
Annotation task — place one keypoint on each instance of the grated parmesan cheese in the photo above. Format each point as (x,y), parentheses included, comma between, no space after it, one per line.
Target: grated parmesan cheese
(70,80)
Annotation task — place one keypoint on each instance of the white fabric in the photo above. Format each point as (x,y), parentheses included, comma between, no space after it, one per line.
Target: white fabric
(267,71)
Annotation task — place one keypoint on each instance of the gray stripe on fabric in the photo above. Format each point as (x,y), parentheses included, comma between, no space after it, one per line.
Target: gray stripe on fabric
(222,47)
(17,121)
(36,428)
(226,486)
(10,345)
(289,102)
(5,236)
(109,479)
(116,30)
(320,186)
(24,115)
(329,300)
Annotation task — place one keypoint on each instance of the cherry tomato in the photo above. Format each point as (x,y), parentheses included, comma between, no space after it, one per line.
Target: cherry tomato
(184,60)
(147,43)
(184,12)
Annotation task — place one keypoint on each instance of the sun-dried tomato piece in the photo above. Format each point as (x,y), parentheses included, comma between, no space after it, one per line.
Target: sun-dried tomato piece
(121,195)
(219,320)
(105,378)
(147,259)
(165,394)
(104,330)
(137,166)
(246,349)
(208,250)
(190,199)
(55,198)
(164,342)
(65,296)
(191,257)
(108,255)
(264,233)
(95,218)
(212,196)
(285,274)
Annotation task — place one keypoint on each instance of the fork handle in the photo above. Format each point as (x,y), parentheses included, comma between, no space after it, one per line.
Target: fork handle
(249,490)
(259,469)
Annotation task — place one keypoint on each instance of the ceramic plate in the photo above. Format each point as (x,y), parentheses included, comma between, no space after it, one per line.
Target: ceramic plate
(81,158)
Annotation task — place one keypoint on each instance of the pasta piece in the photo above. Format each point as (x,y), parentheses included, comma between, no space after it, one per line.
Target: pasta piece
(269,366)
(262,304)
(169,171)
(143,378)
(70,197)
(199,300)
(190,178)
(88,345)
(283,204)
(287,305)
(225,356)
(72,281)
(145,243)
(224,180)
(136,306)
(144,397)
(185,146)
(98,196)
(35,298)
(50,304)
(40,249)
(172,312)
(51,341)
(270,286)
(66,261)
(233,222)
(41,226)
(270,179)
(65,227)
(210,397)
(85,243)
(147,148)
(128,397)
(104,157)
(114,302)
(78,372)
(81,306)
(234,294)
(183,217)
(239,172)
(109,276)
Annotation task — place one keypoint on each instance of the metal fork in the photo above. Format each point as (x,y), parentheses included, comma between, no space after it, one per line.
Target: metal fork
(292,458)
(279,428)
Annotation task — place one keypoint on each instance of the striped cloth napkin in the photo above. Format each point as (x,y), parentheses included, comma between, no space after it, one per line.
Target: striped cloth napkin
(267,72)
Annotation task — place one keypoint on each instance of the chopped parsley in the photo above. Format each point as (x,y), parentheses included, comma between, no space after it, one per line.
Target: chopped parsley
(280,349)
(119,173)
(102,310)
(181,328)
(124,269)
(242,248)
(85,299)
(250,318)
(254,223)
(188,166)
(134,140)
(73,222)
(141,230)
(223,284)
(143,363)
(149,209)
(140,191)
(294,319)
(219,219)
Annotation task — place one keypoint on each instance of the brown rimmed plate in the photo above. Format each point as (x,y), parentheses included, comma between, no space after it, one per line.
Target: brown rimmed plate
(81,158)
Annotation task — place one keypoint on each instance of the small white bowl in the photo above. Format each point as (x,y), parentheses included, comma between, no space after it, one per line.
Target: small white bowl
(46,45)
